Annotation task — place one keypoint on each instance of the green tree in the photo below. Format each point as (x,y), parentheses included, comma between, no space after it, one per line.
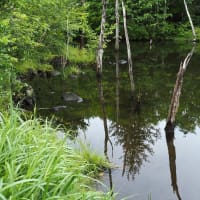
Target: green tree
(32,27)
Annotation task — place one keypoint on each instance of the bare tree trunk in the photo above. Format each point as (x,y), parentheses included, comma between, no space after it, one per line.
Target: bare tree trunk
(169,129)
(82,40)
(117,64)
(101,39)
(117,89)
(124,163)
(190,20)
(117,25)
(107,138)
(172,159)
(177,89)
(128,50)
(68,39)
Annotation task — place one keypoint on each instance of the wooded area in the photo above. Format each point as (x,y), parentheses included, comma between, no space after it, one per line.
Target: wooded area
(29,28)
(45,46)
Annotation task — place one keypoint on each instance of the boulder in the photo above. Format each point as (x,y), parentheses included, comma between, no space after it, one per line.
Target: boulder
(28,103)
(71,97)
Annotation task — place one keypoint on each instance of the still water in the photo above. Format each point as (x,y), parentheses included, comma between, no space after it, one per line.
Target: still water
(128,124)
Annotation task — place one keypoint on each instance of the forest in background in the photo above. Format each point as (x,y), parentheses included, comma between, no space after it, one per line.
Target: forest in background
(157,19)
(44,29)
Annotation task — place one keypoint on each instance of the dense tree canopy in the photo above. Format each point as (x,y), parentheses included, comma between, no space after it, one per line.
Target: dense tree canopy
(48,26)
(157,19)
(39,25)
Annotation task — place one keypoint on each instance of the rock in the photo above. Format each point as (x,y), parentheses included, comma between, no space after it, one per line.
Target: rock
(75,76)
(29,91)
(28,103)
(71,97)
(58,108)
(55,73)
(29,75)
(122,62)
(111,63)
(58,61)
(25,98)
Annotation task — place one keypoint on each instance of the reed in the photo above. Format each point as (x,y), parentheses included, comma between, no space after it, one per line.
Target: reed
(35,164)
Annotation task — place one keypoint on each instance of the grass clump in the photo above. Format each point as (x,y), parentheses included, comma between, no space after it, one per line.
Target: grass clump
(72,70)
(80,56)
(35,164)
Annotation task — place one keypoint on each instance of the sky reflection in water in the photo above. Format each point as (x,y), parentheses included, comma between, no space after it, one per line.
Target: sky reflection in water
(148,164)
(154,176)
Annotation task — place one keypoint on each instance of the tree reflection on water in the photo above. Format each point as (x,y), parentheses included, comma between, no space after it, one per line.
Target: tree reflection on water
(137,140)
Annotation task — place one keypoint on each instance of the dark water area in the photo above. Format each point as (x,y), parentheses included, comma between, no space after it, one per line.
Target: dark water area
(129,126)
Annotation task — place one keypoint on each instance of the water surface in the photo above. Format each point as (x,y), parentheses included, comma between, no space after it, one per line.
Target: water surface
(128,126)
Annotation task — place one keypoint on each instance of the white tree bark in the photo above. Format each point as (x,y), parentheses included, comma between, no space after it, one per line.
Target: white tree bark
(128,49)
(99,57)
(117,25)
(190,20)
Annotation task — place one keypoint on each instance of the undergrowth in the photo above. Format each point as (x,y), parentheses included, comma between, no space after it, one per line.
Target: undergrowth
(35,164)
(72,71)
(80,56)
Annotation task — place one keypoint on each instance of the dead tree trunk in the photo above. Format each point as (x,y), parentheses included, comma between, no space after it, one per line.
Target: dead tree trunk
(128,50)
(190,20)
(172,160)
(117,88)
(107,138)
(82,36)
(117,25)
(101,39)
(177,90)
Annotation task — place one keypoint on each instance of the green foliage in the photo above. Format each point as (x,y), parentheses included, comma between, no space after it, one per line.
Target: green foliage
(157,19)
(5,89)
(184,33)
(80,56)
(72,70)
(27,64)
(99,163)
(45,26)
(35,164)
(145,19)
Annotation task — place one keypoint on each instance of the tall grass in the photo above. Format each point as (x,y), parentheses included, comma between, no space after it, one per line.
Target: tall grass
(36,165)
(80,56)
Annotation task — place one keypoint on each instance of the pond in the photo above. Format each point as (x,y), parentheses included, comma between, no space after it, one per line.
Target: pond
(128,126)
